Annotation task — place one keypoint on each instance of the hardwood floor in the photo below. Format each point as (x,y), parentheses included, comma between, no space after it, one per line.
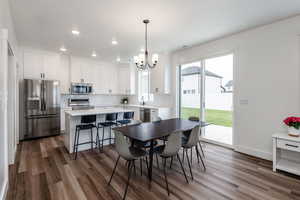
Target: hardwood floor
(44,170)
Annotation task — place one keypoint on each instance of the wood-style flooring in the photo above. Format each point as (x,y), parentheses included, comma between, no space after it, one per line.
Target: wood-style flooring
(44,170)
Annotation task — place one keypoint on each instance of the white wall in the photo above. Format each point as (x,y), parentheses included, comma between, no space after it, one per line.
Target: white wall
(266,74)
(6,22)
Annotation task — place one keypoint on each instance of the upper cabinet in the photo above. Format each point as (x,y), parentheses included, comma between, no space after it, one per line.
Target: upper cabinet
(46,65)
(126,79)
(160,76)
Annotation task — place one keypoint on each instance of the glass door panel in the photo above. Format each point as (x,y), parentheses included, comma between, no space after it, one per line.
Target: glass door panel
(218,93)
(190,90)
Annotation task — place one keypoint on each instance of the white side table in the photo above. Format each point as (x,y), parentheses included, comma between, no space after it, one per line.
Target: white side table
(290,161)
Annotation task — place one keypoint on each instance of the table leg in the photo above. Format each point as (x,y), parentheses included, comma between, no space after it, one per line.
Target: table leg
(150,163)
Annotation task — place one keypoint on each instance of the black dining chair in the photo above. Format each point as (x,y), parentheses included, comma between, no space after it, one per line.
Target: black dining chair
(110,121)
(87,123)
(127,118)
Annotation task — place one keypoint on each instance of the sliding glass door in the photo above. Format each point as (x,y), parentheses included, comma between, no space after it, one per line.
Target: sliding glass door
(206,91)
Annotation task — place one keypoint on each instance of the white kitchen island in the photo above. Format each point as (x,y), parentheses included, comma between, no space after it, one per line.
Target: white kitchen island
(73,118)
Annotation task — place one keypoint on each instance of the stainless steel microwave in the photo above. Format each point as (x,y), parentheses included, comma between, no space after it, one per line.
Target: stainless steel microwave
(81,88)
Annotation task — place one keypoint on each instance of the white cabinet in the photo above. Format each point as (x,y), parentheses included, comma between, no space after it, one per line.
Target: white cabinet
(51,65)
(41,65)
(82,70)
(47,65)
(64,74)
(33,65)
(286,153)
(160,76)
(126,80)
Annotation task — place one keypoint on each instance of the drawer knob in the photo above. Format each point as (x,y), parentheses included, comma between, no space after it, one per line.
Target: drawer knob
(289,145)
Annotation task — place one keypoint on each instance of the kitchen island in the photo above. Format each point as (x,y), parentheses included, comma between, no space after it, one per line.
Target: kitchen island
(73,118)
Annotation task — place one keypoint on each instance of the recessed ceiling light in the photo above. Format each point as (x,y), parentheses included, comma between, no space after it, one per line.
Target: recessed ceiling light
(114,41)
(75,32)
(94,54)
(142,50)
(63,49)
(118,59)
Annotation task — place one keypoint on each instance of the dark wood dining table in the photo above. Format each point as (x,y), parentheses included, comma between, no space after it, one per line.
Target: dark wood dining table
(151,131)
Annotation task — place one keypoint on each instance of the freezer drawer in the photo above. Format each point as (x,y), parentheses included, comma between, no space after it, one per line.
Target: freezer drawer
(41,126)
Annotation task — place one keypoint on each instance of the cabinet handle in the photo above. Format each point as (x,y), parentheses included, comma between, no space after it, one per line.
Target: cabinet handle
(289,145)
(41,75)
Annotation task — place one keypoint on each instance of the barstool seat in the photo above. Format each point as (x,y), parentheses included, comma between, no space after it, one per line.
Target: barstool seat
(106,124)
(86,126)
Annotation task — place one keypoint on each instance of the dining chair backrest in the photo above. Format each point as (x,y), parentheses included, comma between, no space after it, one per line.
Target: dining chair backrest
(122,145)
(156,119)
(128,115)
(173,144)
(194,137)
(111,117)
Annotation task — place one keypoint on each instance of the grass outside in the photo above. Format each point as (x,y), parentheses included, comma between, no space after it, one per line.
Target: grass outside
(217,117)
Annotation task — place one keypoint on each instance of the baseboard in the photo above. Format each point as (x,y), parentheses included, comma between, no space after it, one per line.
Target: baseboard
(4,190)
(253,152)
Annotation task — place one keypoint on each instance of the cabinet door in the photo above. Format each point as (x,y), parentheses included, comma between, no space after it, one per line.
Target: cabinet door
(88,71)
(124,80)
(33,65)
(76,70)
(51,66)
(64,74)
(110,78)
(100,82)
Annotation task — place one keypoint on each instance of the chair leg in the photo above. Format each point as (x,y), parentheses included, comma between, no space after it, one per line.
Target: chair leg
(165,173)
(171,163)
(201,158)
(197,153)
(178,158)
(92,138)
(129,175)
(114,170)
(157,162)
(182,155)
(201,149)
(110,135)
(134,167)
(188,160)
(147,163)
(102,145)
(191,156)
(97,140)
(141,166)
(77,141)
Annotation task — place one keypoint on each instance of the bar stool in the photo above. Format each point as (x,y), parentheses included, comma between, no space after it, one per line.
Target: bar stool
(110,120)
(87,123)
(127,118)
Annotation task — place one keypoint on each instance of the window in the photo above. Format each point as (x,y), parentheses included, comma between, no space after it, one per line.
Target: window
(144,86)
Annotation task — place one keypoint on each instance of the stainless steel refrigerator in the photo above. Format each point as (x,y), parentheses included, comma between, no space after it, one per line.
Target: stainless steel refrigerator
(41,109)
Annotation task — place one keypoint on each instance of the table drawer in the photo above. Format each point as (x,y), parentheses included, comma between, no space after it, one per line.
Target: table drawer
(289,145)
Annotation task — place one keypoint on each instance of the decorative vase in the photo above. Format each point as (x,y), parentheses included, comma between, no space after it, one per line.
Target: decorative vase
(293,132)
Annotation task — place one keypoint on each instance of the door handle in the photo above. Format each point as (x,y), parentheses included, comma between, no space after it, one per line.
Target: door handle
(290,145)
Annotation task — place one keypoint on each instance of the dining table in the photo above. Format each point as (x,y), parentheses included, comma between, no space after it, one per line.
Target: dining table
(152,131)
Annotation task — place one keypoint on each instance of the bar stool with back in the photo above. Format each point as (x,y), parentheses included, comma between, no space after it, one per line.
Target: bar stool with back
(110,121)
(87,123)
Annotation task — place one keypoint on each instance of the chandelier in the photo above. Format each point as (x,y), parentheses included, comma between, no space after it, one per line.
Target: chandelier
(142,61)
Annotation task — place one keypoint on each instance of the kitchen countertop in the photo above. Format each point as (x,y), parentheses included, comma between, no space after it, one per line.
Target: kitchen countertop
(143,106)
(97,111)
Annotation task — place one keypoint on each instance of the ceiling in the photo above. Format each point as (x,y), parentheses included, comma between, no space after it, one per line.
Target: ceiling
(47,24)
